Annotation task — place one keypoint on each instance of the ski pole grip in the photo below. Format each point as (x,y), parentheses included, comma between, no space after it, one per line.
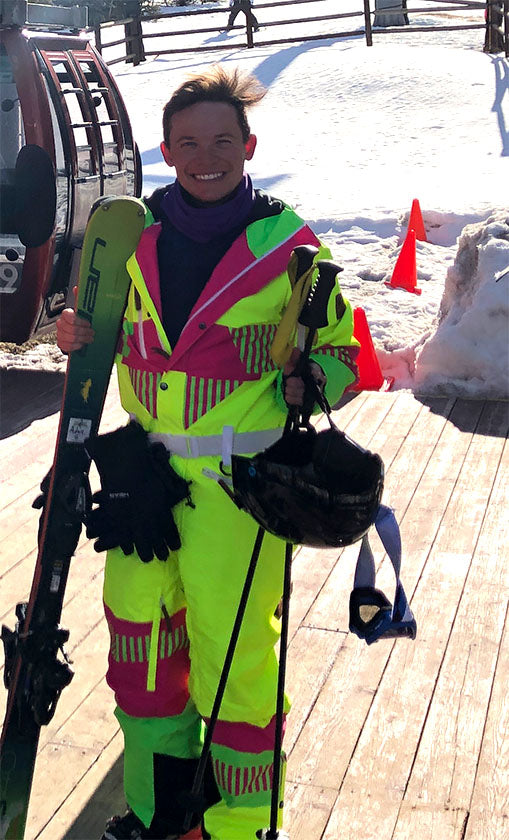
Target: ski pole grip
(314,312)
(300,270)
(305,255)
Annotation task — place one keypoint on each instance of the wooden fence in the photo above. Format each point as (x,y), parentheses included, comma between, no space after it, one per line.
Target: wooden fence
(137,41)
(497,28)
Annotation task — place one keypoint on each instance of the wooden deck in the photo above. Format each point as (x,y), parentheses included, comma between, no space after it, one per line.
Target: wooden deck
(394,741)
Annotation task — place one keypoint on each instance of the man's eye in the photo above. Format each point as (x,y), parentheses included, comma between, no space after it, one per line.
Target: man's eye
(224,142)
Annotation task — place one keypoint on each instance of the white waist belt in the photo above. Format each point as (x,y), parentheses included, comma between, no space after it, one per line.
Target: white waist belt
(230,442)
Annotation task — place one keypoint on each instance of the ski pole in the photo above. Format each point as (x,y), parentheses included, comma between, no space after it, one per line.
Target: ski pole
(313,315)
(272,833)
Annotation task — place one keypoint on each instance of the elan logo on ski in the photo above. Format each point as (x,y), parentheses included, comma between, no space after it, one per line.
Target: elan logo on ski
(92,284)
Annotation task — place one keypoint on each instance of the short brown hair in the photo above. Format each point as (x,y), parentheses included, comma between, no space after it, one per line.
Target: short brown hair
(242,90)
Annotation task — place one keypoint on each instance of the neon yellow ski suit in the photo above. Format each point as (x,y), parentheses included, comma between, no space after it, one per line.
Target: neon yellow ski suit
(215,392)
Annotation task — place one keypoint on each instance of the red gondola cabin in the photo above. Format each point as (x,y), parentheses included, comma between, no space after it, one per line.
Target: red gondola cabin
(66,140)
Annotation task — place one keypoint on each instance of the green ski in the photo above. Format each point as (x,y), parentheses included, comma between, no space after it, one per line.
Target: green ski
(36,667)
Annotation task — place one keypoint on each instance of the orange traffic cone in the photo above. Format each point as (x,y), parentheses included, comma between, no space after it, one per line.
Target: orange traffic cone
(371,377)
(404,275)
(416,223)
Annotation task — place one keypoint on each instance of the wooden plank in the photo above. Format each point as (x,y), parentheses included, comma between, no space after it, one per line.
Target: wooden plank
(18,553)
(22,484)
(14,446)
(22,538)
(64,762)
(83,616)
(80,742)
(377,727)
(17,580)
(374,784)
(18,512)
(81,609)
(489,811)
(84,811)
(19,521)
(307,810)
(324,748)
(311,656)
(30,402)
(328,741)
(436,801)
(18,541)
(26,480)
(412,460)
(82,727)
(397,426)
(325,744)
(17,449)
(88,648)
(53,760)
(66,755)
(310,567)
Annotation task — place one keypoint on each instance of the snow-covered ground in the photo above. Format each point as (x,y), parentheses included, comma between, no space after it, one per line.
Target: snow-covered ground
(349,136)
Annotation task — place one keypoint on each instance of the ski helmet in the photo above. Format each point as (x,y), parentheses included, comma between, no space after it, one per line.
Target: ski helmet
(311,488)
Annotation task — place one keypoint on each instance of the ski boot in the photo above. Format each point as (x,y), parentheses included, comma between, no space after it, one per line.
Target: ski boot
(130,827)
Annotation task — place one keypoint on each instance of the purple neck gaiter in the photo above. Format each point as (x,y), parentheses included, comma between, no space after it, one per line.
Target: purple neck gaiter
(202,223)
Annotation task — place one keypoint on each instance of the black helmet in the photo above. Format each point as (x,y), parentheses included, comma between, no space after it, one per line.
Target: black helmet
(311,488)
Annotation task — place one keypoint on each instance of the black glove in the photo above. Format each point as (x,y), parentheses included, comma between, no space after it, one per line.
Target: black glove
(138,490)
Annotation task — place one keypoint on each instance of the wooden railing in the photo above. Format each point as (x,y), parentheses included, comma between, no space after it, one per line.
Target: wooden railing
(133,40)
(136,41)
(497,27)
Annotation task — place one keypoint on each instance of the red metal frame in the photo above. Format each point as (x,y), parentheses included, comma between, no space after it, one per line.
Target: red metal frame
(22,313)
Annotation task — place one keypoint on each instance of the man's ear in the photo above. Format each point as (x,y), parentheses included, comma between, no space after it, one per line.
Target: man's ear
(250,146)
(166,154)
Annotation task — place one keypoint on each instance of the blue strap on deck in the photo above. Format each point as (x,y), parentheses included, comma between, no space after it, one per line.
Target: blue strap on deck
(372,616)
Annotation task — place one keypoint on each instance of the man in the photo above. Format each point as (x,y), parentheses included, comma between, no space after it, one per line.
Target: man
(209,287)
(241,6)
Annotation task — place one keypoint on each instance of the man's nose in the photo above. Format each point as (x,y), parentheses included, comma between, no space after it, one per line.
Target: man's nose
(206,152)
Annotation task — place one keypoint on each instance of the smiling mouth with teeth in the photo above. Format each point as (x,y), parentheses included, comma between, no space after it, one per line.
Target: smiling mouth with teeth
(211,177)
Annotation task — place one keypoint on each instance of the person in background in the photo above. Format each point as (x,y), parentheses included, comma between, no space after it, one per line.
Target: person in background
(245,6)
(210,282)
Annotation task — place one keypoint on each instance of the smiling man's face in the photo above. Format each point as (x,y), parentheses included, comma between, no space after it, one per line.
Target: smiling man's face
(207,149)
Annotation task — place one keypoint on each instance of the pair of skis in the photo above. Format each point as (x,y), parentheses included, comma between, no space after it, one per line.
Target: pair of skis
(36,667)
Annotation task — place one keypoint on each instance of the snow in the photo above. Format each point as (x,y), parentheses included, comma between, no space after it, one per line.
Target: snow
(349,136)
(469,349)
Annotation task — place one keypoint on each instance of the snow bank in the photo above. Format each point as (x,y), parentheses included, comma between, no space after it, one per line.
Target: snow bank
(469,352)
